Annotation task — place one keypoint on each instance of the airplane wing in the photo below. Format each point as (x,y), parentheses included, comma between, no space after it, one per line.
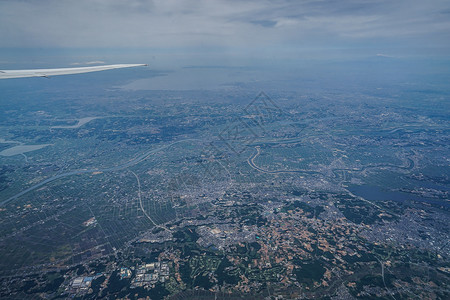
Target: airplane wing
(4,74)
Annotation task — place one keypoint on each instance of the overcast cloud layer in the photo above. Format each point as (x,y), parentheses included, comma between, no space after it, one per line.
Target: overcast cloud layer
(224,24)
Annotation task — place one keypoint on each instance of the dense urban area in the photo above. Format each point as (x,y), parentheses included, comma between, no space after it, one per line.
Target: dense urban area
(225,194)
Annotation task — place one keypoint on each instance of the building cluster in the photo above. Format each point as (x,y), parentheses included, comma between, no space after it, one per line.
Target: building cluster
(81,284)
(148,275)
(223,235)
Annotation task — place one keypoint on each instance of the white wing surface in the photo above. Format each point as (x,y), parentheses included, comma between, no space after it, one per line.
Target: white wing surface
(4,74)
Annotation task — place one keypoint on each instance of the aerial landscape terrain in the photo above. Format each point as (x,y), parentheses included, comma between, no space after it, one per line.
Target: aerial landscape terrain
(171,191)
(225,179)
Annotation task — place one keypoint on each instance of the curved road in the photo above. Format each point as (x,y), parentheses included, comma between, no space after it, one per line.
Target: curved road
(142,206)
(251,162)
(130,163)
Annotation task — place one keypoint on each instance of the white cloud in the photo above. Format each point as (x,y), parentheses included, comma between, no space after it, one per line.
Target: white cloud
(385,55)
(221,23)
(95,62)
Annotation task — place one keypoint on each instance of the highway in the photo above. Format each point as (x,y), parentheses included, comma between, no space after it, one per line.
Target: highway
(128,164)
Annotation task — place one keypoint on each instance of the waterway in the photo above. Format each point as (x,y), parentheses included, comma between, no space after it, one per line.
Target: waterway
(21,149)
(130,163)
(80,123)
(376,193)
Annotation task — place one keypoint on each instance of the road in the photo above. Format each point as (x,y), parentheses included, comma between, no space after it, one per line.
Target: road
(251,162)
(128,164)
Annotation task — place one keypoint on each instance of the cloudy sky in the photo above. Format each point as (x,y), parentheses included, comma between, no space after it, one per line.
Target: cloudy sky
(373,27)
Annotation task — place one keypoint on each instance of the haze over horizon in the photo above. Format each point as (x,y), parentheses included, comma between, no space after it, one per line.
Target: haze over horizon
(252,149)
(231,33)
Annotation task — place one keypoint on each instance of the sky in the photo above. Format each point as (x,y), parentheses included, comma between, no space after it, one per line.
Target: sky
(236,30)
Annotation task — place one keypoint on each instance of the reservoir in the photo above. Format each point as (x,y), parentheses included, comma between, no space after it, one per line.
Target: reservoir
(21,149)
(376,193)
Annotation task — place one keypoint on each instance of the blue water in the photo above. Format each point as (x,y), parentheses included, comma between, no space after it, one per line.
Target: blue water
(376,193)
